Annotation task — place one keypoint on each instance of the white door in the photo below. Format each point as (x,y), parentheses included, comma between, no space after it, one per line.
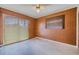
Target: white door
(23,29)
(10,29)
(15,29)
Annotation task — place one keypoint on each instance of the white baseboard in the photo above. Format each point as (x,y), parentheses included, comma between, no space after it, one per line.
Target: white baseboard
(55,41)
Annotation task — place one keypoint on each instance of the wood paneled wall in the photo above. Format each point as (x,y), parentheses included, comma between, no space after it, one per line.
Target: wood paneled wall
(66,35)
(31,22)
(37,27)
(78,29)
(1,28)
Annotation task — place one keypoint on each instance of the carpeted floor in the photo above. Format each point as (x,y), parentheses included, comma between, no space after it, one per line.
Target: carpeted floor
(39,46)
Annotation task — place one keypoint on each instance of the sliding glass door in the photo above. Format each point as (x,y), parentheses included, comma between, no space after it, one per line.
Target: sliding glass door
(15,29)
(23,29)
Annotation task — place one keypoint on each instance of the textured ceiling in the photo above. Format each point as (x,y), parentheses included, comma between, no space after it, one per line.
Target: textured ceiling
(30,9)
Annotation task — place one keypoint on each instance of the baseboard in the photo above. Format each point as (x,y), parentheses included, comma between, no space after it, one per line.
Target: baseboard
(13,43)
(55,41)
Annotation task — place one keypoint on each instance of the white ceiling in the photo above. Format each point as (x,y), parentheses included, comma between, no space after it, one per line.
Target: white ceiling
(30,10)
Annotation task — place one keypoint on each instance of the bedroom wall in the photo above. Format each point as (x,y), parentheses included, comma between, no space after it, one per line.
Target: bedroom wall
(78,28)
(31,22)
(66,35)
(1,27)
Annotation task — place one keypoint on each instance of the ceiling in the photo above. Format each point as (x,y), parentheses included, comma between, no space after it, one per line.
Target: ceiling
(30,10)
